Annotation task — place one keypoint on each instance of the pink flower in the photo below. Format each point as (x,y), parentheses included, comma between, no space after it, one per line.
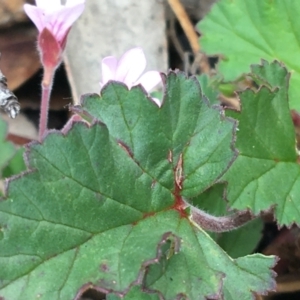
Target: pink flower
(128,69)
(54,21)
(54,16)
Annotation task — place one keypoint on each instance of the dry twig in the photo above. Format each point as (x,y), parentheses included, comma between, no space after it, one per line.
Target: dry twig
(190,33)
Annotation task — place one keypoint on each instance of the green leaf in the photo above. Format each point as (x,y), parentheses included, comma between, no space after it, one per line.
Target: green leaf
(241,281)
(7,149)
(208,89)
(135,293)
(236,243)
(241,241)
(177,274)
(16,164)
(104,205)
(266,173)
(167,133)
(245,31)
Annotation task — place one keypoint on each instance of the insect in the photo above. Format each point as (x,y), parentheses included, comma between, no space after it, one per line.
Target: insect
(8,101)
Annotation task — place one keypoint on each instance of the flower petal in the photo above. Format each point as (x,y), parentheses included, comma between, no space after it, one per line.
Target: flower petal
(48,6)
(74,2)
(36,16)
(56,17)
(61,21)
(109,67)
(131,65)
(149,80)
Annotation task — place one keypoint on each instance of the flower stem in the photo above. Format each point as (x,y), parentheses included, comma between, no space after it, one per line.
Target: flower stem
(46,92)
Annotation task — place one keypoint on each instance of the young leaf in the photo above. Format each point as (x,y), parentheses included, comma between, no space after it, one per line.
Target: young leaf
(103,205)
(266,173)
(245,31)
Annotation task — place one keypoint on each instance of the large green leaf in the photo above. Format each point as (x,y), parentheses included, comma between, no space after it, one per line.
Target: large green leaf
(245,31)
(266,174)
(103,204)
(183,128)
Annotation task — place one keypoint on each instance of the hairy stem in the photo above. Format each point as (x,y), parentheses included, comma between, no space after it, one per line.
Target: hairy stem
(46,92)
(219,224)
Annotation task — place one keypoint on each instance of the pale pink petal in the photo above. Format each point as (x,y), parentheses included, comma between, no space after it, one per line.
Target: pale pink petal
(74,2)
(47,5)
(131,66)
(61,21)
(109,66)
(36,16)
(149,80)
